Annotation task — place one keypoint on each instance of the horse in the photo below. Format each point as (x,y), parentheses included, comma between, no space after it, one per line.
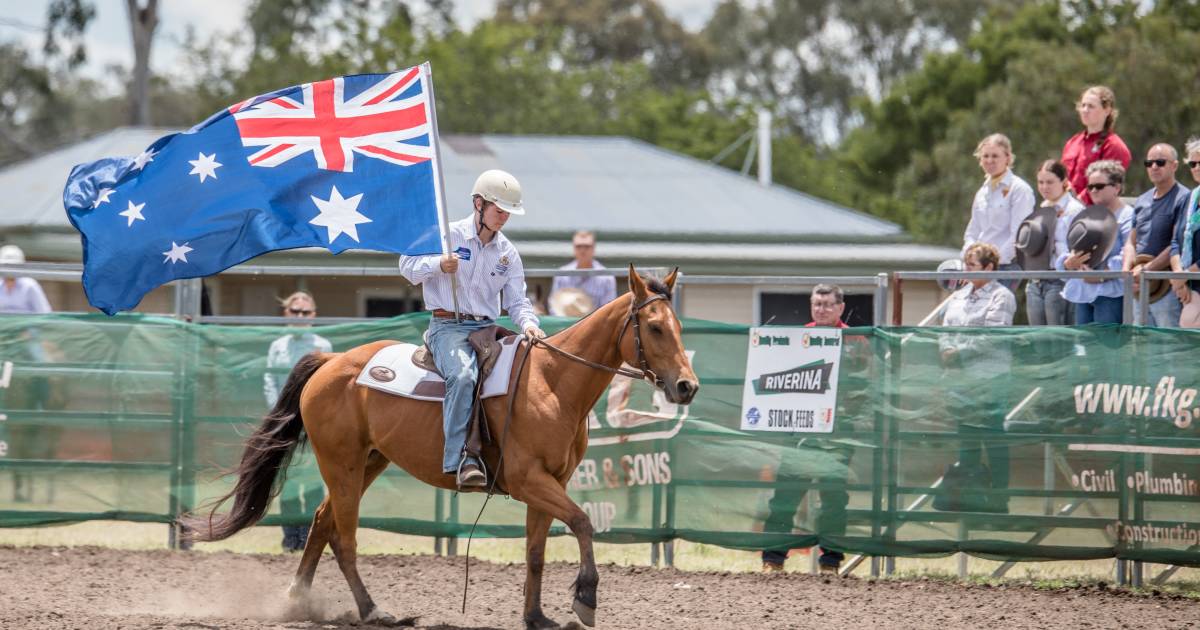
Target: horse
(355,432)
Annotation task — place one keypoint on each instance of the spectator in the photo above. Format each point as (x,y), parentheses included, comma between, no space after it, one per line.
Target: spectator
(1001,204)
(20,295)
(1095,300)
(1155,214)
(25,295)
(302,488)
(602,289)
(1098,113)
(979,414)
(829,458)
(1044,303)
(1185,247)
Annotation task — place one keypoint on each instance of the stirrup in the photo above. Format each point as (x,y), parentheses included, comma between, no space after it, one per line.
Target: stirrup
(458,480)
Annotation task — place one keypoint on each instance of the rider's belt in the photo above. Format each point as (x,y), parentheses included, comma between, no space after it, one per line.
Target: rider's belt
(444,314)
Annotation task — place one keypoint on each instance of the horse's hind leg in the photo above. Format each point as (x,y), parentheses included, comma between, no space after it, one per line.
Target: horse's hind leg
(346,482)
(323,529)
(542,492)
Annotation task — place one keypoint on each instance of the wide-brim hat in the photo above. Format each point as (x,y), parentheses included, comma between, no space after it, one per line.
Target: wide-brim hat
(570,302)
(953,264)
(1035,239)
(1093,230)
(1157,288)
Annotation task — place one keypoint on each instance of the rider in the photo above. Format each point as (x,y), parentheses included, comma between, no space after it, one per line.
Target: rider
(490,275)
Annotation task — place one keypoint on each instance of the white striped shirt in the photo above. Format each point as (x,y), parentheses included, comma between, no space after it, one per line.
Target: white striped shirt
(489,276)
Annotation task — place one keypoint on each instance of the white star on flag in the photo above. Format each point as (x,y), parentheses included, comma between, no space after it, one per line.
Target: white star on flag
(133,213)
(205,166)
(102,197)
(340,215)
(144,158)
(177,253)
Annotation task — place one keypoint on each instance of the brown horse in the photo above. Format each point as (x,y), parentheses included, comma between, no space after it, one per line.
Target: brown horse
(355,432)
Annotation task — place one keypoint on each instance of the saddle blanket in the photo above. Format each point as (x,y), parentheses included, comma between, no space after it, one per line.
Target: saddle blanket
(392,370)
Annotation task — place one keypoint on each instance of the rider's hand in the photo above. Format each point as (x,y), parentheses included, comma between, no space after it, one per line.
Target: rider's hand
(449,263)
(533,332)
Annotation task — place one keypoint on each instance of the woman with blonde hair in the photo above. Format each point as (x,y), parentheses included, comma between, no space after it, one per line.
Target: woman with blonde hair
(1000,205)
(1098,140)
(303,489)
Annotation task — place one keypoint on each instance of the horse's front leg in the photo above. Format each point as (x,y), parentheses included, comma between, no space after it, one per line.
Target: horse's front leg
(542,492)
(537,527)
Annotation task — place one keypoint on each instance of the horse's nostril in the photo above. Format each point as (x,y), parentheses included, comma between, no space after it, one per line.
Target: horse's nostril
(684,388)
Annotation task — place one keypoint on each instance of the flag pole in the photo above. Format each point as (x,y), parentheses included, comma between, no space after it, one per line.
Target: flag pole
(443,222)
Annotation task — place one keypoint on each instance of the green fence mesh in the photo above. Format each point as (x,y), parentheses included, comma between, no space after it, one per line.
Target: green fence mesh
(1027,443)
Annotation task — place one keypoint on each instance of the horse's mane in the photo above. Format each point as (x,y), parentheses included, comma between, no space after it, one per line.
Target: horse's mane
(657,286)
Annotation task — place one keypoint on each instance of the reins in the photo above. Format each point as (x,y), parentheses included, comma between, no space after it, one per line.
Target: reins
(644,373)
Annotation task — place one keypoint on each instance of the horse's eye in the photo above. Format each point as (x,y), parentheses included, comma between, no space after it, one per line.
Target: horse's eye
(656,329)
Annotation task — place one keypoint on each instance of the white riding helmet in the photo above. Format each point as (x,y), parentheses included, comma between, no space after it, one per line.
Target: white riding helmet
(500,188)
(11,255)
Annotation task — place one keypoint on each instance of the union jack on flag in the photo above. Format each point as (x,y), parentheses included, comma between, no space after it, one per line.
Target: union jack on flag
(350,162)
(387,120)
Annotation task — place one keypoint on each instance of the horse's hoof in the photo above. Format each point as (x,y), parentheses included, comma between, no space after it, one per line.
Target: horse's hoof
(540,622)
(586,614)
(380,618)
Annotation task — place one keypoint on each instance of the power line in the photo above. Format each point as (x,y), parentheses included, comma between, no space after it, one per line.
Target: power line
(18,24)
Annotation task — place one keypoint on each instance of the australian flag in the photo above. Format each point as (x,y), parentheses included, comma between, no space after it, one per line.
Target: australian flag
(344,163)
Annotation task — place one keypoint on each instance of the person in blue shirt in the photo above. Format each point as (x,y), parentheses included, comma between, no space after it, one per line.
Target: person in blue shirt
(1099,301)
(1185,247)
(1155,215)
(303,489)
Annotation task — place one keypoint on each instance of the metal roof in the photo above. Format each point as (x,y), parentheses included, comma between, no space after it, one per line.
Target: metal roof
(619,187)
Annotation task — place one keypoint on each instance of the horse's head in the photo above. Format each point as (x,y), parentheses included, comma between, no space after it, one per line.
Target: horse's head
(655,344)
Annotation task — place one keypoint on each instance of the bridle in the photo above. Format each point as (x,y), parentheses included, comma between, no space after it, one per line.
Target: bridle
(644,371)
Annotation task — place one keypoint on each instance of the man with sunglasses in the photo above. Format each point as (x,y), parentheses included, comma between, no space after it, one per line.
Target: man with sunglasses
(303,490)
(1155,216)
(489,275)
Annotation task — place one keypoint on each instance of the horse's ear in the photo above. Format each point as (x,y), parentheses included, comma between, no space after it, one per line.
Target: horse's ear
(670,279)
(637,286)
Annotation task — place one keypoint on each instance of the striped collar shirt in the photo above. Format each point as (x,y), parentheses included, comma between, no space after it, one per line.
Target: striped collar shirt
(489,277)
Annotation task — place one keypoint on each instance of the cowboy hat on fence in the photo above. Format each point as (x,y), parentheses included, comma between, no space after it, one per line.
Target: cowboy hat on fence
(570,302)
(1035,239)
(1094,231)
(1157,288)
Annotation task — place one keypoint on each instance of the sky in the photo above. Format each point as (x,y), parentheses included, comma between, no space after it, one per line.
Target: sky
(108,40)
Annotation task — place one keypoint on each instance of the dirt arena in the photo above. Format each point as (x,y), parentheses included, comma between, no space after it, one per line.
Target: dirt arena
(96,588)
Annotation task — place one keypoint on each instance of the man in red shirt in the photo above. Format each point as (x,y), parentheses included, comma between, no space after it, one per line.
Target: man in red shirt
(826,305)
(1096,142)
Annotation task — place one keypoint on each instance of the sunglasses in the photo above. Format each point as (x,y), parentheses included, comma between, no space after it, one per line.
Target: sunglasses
(300,312)
(1193,163)
(1095,187)
(1160,162)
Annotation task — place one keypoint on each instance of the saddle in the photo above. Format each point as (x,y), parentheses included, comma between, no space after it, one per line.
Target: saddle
(486,343)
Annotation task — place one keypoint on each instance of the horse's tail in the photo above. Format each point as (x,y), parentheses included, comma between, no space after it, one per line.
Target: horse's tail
(264,460)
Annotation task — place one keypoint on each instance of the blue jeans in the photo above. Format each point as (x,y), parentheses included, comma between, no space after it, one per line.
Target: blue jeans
(455,359)
(1044,303)
(1166,311)
(1103,310)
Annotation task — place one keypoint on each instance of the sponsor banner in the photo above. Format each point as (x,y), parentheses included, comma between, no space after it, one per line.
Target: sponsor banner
(791,379)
